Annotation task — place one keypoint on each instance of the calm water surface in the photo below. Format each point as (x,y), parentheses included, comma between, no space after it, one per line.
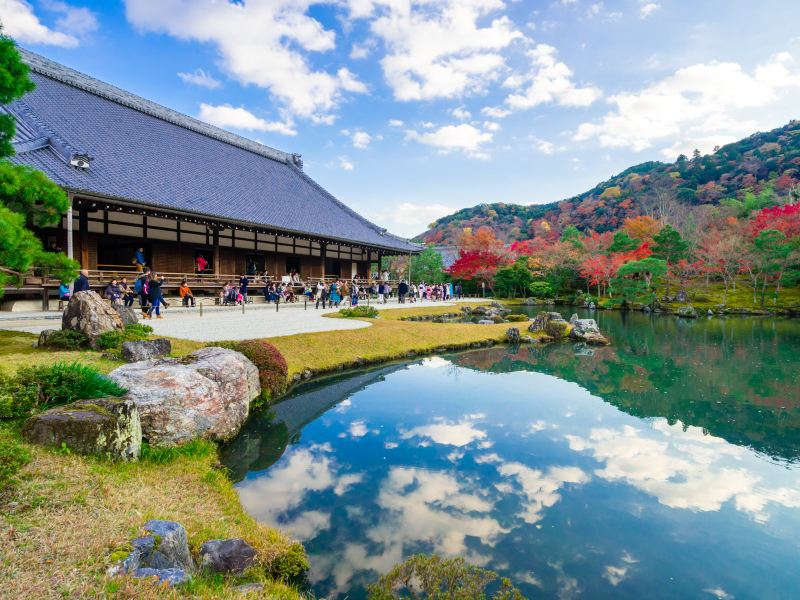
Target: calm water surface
(665,466)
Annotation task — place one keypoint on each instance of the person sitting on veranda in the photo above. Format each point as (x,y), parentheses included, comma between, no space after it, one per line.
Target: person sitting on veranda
(288,293)
(63,295)
(294,277)
(201,263)
(185,293)
(113,293)
(139,260)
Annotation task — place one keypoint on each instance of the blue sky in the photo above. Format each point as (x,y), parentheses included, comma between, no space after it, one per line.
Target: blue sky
(408,110)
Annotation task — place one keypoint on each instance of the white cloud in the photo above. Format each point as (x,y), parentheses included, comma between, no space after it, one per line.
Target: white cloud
(361,139)
(199,77)
(448,434)
(230,117)
(648,9)
(704,104)
(436,48)
(21,22)
(346,482)
(395,123)
(491,126)
(261,42)
(461,113)
(540,488)
(359,51)
(550,81)
(407,213)
(464,137)
(346,164)
(358,429)
(685,469)
(496,112)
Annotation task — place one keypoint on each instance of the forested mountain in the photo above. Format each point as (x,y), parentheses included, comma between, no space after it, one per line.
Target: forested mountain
(684,192)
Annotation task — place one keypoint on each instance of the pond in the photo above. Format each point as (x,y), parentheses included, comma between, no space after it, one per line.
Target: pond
(666,465)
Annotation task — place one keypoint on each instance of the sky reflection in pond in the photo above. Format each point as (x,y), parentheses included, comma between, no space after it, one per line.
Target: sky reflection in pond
(489,456)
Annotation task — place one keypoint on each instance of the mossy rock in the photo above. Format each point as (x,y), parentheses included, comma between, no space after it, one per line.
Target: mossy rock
(107,427)
(557,329)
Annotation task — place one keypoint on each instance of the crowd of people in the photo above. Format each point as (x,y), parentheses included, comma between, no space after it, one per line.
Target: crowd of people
(147,289)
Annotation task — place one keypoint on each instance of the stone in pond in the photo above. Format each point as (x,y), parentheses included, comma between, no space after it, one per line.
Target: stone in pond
(512,335)
(226,556)
(138,350)
(556,329)
(542,319)
(586,330)
(87,312)
(205,394)
(108,427)
(687,312)
(485,322)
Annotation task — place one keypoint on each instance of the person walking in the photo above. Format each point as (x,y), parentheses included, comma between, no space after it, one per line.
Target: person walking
(139,260)
(155,295)
(322,294)
(81,284)
(141,288)
(244,282)
(402,290)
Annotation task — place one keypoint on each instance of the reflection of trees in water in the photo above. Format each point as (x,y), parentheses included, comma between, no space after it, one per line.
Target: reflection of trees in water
(735,378)
(265,436)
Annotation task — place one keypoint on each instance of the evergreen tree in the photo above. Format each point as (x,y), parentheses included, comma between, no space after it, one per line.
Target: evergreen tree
(27,197)
(623,243)
(669,246)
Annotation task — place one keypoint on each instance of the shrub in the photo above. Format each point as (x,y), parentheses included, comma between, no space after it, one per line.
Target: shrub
(38,388)
(272,369)
(109,340)
(516,317)
(289,565)
(13,456)
(67,339)
(541,289)
(367,312)
(424,576)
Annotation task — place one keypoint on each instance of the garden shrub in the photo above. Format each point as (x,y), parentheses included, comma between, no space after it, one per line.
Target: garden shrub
(541,289)
(428,576)
(272,368)
(42,387)
(13,456)
(67,339)
(516,317)
(367,312)
(109,340)
(289,565)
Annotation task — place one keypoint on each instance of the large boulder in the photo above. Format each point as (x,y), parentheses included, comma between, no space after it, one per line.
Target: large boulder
(512,335)
(227,556)
(89,313)
(586,330)
(205,394)
(556,328)
(541,320)
(108,427)
(687,312)
(138,350)
(163,553)
(127,314)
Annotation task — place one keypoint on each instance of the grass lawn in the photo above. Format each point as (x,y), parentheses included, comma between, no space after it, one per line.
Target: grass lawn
(388,338)
(70,516)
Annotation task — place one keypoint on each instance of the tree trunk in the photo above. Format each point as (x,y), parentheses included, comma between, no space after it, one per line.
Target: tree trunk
(725,294)
(763,290)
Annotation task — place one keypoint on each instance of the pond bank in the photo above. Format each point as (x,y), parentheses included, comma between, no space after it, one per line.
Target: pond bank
(71,516)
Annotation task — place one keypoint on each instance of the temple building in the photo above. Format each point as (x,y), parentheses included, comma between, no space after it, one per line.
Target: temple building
(144,176)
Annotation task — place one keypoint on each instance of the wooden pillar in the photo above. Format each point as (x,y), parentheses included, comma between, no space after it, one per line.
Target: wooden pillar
(83,224)
(215,251)
(323,252)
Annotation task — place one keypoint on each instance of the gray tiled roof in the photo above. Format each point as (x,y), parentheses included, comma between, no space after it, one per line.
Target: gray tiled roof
(146,153)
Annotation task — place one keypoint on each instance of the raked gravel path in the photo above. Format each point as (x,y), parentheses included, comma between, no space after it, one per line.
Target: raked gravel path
(218,323)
